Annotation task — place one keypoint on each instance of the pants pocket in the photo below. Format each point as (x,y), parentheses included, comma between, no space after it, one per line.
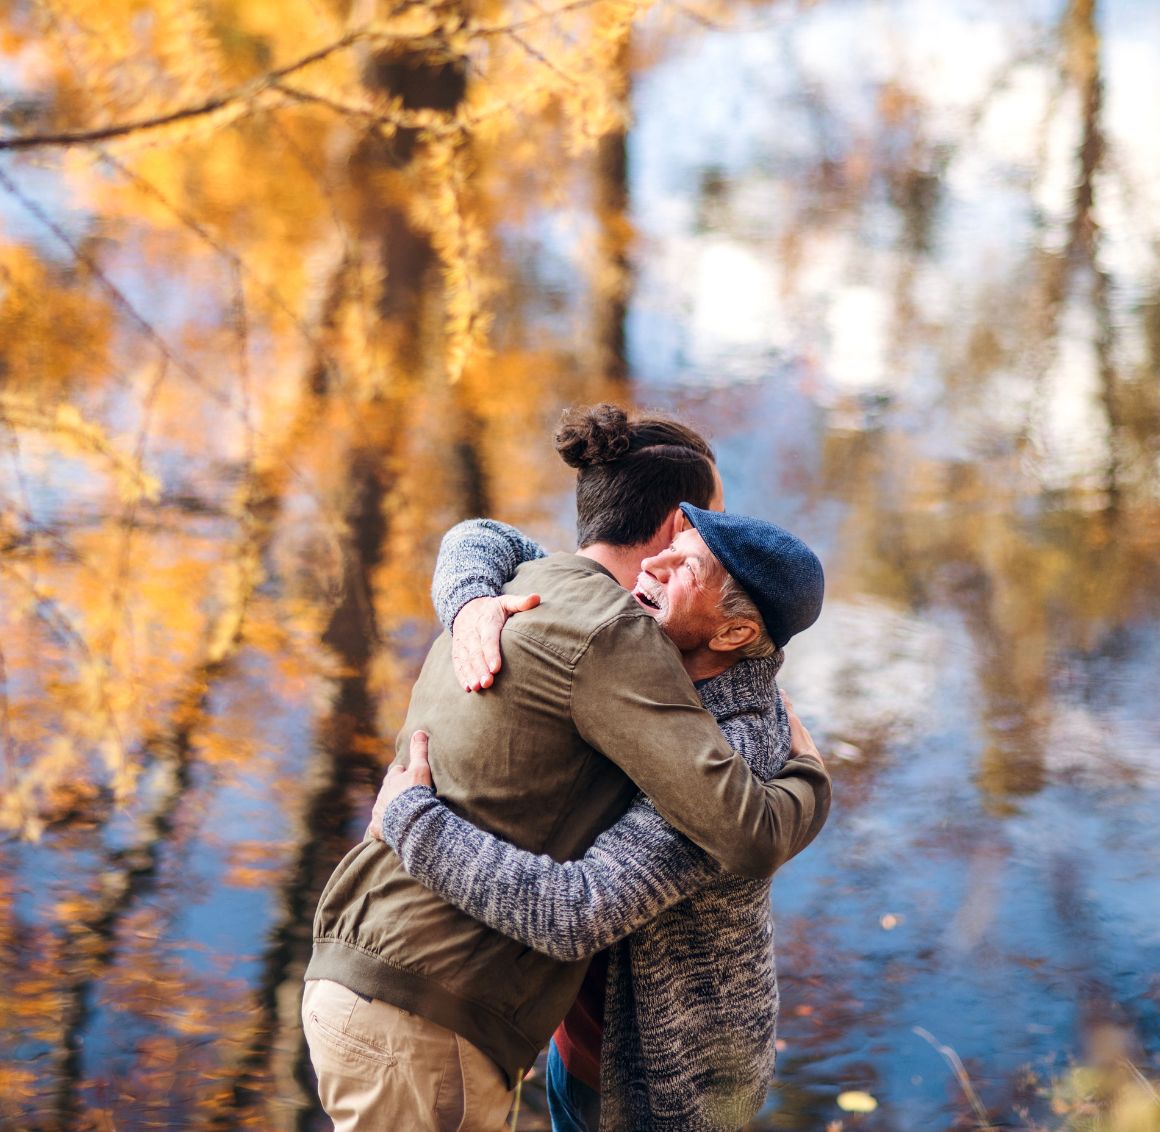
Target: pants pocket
(328,1017)
(350,1044)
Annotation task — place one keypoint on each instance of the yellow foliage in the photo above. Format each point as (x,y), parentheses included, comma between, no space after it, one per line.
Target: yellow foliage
(414,22)
(74,435)
(16,1082)
(854,1100)
(1111,1097)
(53,331)
(223,298)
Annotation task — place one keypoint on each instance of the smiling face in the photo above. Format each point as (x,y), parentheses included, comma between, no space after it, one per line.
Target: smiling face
(681,588)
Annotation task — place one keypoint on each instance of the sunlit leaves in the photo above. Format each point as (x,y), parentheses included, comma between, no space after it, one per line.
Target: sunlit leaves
(74,435)
(259,345)
(54,331)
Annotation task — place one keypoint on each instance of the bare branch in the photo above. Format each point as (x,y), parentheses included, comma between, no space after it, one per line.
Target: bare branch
(541,58)
(49,611)
(532,21)
(700,19)
(246,93)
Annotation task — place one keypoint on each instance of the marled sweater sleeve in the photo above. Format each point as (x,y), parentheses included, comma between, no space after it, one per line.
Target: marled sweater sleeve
(476,558)
(570,910)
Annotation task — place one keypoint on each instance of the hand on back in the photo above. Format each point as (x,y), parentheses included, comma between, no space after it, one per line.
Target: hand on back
(399,778)
(476,656)
(475,651)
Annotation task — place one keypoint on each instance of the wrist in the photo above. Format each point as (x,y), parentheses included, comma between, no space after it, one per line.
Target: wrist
(452,603)
(402,810)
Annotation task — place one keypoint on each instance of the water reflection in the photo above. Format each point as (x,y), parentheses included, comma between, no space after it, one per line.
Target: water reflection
(899,265)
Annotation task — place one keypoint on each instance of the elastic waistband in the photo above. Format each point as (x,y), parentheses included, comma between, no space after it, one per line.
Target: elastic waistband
(366,974)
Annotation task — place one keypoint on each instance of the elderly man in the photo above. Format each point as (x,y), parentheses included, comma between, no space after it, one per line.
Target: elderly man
(421,1017)
(692,995)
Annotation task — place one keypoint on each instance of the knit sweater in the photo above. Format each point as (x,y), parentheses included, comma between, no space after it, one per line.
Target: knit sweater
(691,1001)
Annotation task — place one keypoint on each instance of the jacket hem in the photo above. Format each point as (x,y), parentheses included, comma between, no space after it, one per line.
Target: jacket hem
(369,975)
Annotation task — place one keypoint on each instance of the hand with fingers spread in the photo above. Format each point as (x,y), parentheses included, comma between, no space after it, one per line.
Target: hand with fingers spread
(475,650)
(399,778)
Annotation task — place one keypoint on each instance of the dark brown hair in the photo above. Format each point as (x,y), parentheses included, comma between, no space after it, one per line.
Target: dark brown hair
(633,471)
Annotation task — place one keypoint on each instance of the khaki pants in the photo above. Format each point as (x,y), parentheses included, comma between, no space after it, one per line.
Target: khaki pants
(381,1069)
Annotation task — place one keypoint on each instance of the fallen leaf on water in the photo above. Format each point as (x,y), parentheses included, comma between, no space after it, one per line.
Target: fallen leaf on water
(855,1101)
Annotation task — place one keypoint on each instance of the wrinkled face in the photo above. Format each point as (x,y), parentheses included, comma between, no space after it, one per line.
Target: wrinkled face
(681,588)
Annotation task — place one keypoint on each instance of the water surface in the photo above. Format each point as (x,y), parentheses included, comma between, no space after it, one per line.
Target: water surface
(899,262)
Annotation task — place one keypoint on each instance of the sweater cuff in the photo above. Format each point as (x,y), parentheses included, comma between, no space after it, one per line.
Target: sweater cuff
(404,810)
(451,602)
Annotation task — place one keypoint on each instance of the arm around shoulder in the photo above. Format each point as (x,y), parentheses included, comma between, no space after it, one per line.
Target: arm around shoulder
(800,795)
(476,558)
(633,701)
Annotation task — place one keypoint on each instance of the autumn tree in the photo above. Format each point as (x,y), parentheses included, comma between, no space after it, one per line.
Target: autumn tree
(263,335)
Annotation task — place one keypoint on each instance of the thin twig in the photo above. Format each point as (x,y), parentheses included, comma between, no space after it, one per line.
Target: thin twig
(1141,1078)
(49,610)
(956,1064)
(237,263)
(118,296)
(702,20)
(516,1106)
(247,92)
(532,21)
(541,58)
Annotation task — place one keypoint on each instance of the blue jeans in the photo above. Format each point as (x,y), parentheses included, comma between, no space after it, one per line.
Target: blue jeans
(573,1106)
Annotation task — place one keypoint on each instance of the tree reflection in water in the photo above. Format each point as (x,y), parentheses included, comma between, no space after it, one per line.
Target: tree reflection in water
(285,292)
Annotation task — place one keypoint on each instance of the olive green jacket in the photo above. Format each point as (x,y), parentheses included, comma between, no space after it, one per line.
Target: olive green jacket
(592,699)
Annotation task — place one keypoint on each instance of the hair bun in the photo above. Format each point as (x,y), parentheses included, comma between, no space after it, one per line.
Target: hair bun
(596,435)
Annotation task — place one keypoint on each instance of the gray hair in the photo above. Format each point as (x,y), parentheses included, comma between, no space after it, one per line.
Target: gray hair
(735,604)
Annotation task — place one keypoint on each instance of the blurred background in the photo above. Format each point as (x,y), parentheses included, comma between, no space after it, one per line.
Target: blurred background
(289,286)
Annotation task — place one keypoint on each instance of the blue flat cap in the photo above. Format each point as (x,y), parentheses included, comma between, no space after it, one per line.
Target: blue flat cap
(781,575)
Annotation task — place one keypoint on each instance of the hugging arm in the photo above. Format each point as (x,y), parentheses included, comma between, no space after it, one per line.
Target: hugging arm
(629,704)
(632,873)
(643,721)
(476,558)
(569,910)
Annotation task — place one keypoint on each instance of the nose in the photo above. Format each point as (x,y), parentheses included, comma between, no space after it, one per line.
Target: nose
(657,565)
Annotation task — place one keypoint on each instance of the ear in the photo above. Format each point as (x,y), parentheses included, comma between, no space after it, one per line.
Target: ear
(674,523)
(734,635)
(668,530)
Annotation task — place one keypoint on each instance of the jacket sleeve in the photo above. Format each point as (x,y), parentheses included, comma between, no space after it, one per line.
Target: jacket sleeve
(632,701)
(570,910)
(476,558)
(633,871)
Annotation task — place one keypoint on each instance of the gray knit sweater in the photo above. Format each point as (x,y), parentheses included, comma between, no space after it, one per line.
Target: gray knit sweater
(691,999)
